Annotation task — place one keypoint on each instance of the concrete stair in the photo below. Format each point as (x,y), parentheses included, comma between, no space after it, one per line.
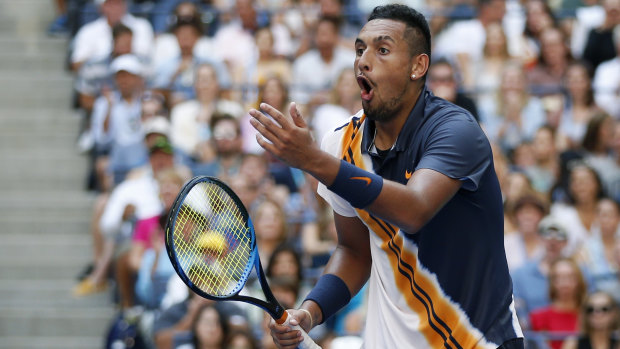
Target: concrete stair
(44,210)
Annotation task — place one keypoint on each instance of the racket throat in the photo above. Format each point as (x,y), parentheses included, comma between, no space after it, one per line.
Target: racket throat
(282,318)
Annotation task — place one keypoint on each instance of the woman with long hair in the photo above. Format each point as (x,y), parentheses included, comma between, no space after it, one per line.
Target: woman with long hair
(273,91)
(599,322)
(270,226)
(512,115)
(209,329)
(567,290)
(579,107)
(579,213)
(484,76)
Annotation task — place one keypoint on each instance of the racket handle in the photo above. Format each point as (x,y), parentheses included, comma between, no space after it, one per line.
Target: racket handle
(307,343)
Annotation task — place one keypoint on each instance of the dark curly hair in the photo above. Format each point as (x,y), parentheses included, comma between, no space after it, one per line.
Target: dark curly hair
(417,33)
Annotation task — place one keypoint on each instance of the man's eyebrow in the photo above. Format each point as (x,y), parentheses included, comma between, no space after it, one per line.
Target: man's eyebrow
(375,40)
(384,38)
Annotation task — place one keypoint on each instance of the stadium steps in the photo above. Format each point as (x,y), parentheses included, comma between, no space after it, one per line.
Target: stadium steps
(44,209)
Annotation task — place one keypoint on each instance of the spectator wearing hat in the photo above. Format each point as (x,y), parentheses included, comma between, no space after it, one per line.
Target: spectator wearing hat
(94,39)
(133,199)
(95,75)
(530,282)
(116,123)
(525,244)
(175,76)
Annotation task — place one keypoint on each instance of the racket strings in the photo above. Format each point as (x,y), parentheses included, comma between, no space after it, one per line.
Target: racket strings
(212,240)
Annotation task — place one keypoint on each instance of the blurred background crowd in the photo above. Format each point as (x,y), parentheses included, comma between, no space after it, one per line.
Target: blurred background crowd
(164,87)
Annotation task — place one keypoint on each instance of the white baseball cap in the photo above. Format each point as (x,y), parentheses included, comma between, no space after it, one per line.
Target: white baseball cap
(157,124)
(129,63)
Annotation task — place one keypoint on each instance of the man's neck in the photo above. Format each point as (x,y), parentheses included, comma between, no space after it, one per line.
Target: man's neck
(129,98)
(327,55)
(387,131)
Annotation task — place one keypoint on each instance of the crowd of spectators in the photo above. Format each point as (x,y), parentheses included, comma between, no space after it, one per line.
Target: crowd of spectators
(165,86)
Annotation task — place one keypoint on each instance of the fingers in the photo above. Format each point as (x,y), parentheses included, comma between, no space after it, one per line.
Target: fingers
(264,125)
(283,336)
(296,115)
(276,115)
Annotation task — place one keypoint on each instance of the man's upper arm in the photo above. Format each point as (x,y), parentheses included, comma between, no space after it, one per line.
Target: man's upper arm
(352,232)
(352,259)
(458,149)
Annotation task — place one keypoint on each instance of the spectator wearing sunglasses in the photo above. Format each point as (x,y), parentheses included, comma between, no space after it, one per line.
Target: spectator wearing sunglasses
(599,321)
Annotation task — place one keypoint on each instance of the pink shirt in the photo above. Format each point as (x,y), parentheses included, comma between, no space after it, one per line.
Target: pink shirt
(145,229)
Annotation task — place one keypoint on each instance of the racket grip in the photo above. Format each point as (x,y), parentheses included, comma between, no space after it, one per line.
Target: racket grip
(307,343)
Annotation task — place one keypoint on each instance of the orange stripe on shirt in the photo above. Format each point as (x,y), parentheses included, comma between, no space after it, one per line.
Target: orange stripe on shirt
(439,319)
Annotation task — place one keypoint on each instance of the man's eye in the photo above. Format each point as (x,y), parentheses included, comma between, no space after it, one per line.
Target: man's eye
(359,51)
(383,50)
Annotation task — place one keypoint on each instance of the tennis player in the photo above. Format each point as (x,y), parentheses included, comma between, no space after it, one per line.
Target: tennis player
(417,204)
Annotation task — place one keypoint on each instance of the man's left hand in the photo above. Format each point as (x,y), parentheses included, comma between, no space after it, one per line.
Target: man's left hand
(290,139)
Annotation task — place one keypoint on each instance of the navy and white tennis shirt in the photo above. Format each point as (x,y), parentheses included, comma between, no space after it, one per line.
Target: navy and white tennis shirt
(447,285)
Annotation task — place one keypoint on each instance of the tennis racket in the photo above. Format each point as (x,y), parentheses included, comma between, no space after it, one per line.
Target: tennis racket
(211,243)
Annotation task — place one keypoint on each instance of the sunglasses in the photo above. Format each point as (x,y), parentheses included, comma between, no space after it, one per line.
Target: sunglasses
(604,309)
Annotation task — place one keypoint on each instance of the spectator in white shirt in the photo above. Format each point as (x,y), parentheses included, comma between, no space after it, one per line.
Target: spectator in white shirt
(135,198)
(315,72)
(235,40)
(116,121)
(464,40)
(175,77)
(94,39)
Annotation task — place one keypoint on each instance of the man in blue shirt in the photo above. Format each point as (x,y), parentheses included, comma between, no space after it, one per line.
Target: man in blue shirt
(416,203)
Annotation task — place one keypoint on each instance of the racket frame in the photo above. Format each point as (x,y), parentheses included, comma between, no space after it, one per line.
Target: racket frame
(271,305)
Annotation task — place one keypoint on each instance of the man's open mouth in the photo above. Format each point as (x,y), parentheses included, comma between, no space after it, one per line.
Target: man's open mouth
(366,87)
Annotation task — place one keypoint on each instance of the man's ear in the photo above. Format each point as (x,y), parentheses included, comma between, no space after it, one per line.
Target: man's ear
(419,66)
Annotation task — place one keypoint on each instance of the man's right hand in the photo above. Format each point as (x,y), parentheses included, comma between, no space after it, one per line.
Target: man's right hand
(286,338)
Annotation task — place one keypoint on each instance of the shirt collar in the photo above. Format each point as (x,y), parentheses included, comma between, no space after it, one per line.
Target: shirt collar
(406,133)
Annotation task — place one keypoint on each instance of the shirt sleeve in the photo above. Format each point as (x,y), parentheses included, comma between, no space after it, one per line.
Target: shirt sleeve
(457,148)
(81,46)
(112,216)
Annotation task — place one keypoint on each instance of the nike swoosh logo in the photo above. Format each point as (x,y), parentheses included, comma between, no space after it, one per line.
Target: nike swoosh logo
(408,174)
(365,179)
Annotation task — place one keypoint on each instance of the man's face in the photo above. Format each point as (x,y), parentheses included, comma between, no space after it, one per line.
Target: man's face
(383,68)
(226,137)
(441,82)
(206,81)
(326,36)
(497,9)
(114,10)
(127,82)
(160,161)
(122,44)
(187,36)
